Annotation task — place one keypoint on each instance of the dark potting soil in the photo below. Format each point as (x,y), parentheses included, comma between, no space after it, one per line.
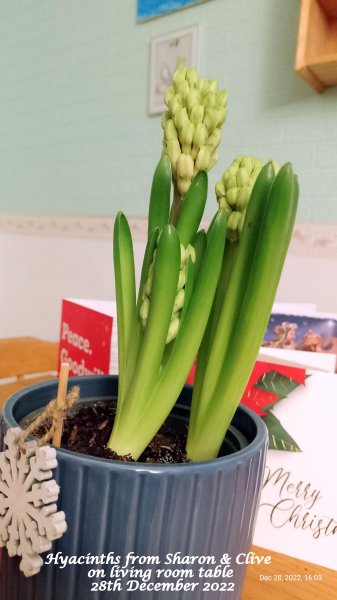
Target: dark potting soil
(87,431)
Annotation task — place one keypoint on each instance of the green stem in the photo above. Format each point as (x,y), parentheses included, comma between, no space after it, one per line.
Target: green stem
(176,205)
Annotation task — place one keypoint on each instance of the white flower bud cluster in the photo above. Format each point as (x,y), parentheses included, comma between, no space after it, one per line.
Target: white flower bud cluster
(234,189)
(185,253)
(192,124)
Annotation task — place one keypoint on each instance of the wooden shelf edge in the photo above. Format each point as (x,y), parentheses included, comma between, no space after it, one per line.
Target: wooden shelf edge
(314,25)
(311,79)
(323,59)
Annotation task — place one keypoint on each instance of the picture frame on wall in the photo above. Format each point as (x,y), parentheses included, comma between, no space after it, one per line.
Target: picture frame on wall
(152,9)
(165,52)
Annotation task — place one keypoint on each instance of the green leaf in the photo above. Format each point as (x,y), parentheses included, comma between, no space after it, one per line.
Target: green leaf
(279,438)
(147,368)
(192,208)
(228,307)
(199,244)
(159,208)
(125,296)
(278,384)
(139,431)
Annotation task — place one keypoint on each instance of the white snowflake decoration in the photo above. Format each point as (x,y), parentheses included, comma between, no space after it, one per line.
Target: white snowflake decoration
(29,521)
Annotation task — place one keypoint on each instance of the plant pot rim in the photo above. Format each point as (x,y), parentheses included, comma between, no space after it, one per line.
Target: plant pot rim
(49,387)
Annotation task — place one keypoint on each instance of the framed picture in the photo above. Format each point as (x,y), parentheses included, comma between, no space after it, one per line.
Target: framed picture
(165,52)
(151,9)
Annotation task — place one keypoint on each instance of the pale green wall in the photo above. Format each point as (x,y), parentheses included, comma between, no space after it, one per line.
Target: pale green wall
(75,137)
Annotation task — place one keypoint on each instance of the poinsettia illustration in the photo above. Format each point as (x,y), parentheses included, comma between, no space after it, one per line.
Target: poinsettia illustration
(268,384)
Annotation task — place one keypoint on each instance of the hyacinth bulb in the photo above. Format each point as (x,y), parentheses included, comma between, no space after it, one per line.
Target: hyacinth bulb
(196,111)
(234,189)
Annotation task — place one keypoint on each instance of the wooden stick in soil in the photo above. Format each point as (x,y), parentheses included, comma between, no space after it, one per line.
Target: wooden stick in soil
(60,403)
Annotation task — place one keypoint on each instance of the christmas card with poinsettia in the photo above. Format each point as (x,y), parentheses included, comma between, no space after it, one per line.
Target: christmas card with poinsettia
(298,507)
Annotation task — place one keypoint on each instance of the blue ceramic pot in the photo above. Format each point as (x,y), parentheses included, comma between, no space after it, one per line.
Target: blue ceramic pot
(204,509)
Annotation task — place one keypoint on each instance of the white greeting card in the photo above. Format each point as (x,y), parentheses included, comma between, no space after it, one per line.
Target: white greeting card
(298,508)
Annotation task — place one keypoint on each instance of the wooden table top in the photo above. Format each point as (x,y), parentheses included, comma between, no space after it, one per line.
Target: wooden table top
(287,578)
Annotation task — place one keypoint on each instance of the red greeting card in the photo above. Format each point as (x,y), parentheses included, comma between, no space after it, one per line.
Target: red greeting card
(86,337)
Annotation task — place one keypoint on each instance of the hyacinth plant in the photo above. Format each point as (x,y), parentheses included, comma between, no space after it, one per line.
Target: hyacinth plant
(206,294)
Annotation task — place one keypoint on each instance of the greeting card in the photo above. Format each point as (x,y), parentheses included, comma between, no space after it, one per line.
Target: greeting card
(298,508)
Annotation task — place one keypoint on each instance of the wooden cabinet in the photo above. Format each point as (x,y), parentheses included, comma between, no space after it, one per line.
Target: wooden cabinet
(316,57)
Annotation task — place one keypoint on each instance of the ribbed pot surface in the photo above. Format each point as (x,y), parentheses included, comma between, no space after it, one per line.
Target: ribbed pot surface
(200,509)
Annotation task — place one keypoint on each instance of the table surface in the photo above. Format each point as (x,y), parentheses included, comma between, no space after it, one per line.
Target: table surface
(304,581)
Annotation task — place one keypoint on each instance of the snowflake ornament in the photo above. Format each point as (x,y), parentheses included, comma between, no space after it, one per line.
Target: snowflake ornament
(29,521)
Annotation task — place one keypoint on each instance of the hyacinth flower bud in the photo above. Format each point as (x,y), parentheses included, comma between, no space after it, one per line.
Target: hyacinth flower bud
(180,118)
(175,104)
(170,131)
(144,310)
(173,150)
(181,280)
(197,109)
(210,100)
(148,285)
(233,220)
(193,99)
(233,168)
(191,76)
(179,300)
(214,157)
(231,196)
(255,174)
(203,86)
(186,137)
(197,114)
(243,177)
(234,189)
(213,86)
(183,184)
(243,197)
(169,95)
(180,74)
(220,189)
(185,254)
(247,162)
(183,89)
(173,330)
(230,180)
(215,138)
(200,136)
(149,281)
(189,252)
(222,98)
(203,159)
(222,114)
(185,166)
(210,119)
(164,118)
